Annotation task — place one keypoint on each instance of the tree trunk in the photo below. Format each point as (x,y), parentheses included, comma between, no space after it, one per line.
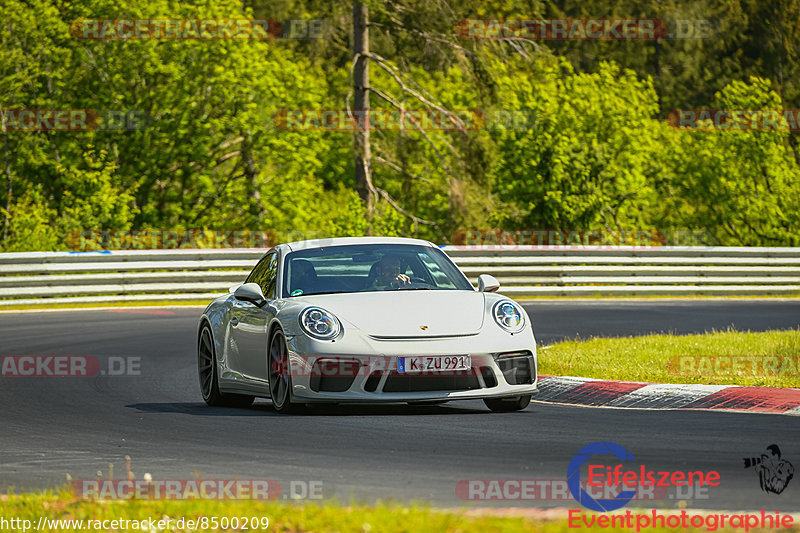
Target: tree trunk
(363,155)
(7,221)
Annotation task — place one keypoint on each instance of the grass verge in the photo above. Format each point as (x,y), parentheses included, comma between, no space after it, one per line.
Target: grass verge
(763,359)
(282,517)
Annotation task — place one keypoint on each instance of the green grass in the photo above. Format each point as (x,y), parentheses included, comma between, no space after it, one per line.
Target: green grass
(292,517)
(769,359)
(283,517)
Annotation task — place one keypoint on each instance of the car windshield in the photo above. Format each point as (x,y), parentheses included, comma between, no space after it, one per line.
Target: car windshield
(370,267)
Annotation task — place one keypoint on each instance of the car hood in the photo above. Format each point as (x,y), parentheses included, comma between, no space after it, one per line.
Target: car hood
(408,313)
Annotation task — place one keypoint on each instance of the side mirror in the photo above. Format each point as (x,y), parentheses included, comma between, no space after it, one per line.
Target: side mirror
(250,292)
(487,283)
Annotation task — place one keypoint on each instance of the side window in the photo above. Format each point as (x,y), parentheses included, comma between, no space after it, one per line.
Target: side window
(270,276)
(257,274)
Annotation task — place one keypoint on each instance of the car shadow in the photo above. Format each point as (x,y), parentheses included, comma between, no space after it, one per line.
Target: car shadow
(196,408)
(265,409)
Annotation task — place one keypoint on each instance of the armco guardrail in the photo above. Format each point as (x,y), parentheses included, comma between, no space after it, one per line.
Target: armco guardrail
(148,275)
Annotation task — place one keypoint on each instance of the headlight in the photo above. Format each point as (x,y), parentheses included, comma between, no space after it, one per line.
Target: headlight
(508,316)
(319,323)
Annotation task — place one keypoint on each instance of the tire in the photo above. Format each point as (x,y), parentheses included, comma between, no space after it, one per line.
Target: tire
(207,372)
(508,405)
(280,379)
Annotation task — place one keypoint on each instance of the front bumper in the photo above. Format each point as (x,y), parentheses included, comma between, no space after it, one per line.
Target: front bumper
(501,366)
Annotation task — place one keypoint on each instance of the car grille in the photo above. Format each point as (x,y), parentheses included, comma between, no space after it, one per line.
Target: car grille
(397,382)
(371,385)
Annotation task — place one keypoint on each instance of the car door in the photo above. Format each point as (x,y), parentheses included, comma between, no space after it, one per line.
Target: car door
(249,321)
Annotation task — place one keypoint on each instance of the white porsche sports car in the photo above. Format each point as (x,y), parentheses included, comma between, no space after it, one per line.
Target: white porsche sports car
(365,320)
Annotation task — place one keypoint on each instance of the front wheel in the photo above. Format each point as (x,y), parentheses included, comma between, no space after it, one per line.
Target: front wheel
(280,379)
(207,371)
(507,405)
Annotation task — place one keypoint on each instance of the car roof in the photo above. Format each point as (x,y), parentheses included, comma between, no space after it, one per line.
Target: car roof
(344,241)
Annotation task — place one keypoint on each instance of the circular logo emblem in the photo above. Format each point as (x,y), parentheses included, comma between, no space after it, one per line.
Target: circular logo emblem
(574,476)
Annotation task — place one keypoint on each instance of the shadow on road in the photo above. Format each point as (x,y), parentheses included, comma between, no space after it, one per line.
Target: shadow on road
(265,409)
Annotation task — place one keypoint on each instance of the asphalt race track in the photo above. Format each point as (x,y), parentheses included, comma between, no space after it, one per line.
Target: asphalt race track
(556,320)
(50,427)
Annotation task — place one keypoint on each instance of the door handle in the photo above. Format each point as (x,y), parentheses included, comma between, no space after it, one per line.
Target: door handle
(234,321)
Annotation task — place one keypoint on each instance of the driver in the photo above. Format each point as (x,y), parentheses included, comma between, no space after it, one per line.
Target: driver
(388,274)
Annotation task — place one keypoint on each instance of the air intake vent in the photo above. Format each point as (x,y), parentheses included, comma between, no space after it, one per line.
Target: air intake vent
(488,377)
(516,367)
(333,375)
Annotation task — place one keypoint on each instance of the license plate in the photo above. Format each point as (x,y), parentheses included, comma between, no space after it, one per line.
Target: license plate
(423,364)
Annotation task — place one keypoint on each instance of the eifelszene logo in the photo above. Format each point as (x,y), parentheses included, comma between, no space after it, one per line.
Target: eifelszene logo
(613,477)
(574,477)
(774,472)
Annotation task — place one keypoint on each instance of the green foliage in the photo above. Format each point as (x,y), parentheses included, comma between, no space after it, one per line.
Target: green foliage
(743,186)
(30,225)
(592,149)
(591,158)
(90,197)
